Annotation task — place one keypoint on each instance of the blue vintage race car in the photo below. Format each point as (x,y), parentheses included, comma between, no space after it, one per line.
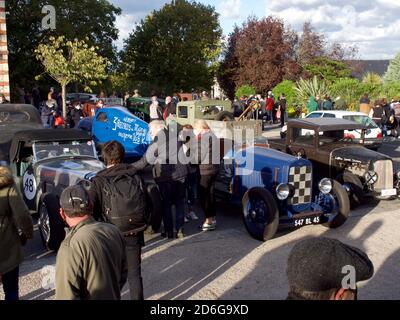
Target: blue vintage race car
(117,123)
(278,190)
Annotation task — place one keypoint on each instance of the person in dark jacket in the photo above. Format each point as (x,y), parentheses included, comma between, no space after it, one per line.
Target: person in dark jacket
(47,113)
(75,114)
(15,226)
(208,160)
(326,269)
(91,262)
(282,108)
(169,174)
(327,104)
(113,154)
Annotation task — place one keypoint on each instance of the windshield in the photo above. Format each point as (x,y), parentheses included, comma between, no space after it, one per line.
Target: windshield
(365,120)
(13,116)
(330,137)
(47,150)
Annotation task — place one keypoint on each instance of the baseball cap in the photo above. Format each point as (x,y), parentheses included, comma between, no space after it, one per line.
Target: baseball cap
(316,264)
(75,199)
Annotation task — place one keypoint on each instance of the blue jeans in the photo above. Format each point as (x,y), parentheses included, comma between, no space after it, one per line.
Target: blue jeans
(173,193)
(10,284)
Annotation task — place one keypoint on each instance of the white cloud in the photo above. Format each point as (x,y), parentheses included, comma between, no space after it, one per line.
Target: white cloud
(371,25)
(230,9)
(125,23)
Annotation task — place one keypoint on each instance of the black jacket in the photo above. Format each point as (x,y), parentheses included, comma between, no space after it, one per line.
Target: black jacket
(205,154)
(169,168)
(96,189)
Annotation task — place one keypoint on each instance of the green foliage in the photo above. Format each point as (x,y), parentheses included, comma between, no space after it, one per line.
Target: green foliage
(310,88)
(350,90)
(393,72)
(71,61)
(288,88)
(390,90)
(327,69)
(245,91)
(175,48)
(94,19)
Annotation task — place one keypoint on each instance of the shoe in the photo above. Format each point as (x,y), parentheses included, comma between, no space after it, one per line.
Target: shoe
(186,219)
(207,227)
(180,234)
(193,216)
(169,235)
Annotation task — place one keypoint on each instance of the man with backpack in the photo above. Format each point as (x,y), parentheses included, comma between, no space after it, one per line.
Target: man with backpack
(119,197)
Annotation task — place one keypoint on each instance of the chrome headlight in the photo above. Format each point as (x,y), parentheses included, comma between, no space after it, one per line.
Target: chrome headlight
(325,185)
(283,191)
(371,177)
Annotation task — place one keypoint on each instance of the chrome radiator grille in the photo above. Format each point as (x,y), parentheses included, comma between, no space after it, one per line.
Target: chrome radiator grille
(384,169)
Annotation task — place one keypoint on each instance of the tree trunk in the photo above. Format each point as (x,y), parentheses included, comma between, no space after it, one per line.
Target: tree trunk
(64,105)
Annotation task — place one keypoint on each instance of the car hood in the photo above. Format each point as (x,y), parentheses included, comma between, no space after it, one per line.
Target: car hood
(357,154)
(68,171)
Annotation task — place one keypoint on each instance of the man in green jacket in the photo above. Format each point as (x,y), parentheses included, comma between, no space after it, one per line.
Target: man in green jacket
(312,105)
(91,262)
(15,225)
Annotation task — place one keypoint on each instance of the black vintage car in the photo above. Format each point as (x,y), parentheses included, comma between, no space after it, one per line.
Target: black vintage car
(334,154)
(14,118)
(45,162)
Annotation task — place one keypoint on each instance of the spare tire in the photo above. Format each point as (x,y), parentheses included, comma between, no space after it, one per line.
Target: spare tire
(224,116)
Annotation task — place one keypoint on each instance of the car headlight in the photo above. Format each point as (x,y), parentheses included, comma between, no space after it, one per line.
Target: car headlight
(371,177)
(282,191)
(325,185)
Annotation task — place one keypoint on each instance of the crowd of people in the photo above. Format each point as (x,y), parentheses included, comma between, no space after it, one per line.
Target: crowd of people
(385,115)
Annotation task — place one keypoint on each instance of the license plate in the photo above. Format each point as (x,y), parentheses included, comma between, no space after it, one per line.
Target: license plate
(388,192)
(306,221)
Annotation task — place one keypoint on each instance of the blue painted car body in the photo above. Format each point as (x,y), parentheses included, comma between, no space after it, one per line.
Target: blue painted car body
(117,123)
(268,169)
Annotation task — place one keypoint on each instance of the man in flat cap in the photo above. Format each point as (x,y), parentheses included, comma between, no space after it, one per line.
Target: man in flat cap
(326,269)
(91,262)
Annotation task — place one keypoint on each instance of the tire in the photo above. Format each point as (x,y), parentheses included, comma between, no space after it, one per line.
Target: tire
(224,116)
(356,188)
(155,207)
(51,226)
(342,205)
(263,223)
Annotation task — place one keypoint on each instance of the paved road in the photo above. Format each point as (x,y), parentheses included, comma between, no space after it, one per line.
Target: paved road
(229,264)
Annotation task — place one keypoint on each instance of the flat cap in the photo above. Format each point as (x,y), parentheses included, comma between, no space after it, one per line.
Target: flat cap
(316,264)
(75,199)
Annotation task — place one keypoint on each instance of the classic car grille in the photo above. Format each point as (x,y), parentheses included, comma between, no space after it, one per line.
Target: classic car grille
(300,179)
(384,169)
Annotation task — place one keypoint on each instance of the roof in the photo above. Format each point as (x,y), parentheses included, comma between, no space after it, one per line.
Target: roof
(326,124)
(29,109)
(28,137)
(375,66)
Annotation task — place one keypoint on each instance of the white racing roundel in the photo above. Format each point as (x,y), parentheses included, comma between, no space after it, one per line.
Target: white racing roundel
(29,186)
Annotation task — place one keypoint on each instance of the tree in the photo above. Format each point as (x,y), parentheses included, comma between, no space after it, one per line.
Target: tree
(306,88)
(92,19)
(265,53)
(175,48)
(71,61)
(393,72)
(286,87)
(327,69)
(227,70)
(311,45)
(350,90)
(245,90)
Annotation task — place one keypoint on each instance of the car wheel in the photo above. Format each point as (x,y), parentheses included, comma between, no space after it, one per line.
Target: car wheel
(51,226)
(260,213)
(224,116)
(155,207)
(353,184)
(337,203)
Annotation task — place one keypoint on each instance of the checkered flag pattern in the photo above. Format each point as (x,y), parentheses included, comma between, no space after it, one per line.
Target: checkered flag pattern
(300,179)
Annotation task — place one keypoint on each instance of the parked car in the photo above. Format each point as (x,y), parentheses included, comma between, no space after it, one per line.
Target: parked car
(45,162)
(277,190)
(336,155)
(117,123)
(373,134)
(14,118)
(80,97)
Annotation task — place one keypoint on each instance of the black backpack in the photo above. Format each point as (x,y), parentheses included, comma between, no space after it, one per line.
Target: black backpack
(124,203)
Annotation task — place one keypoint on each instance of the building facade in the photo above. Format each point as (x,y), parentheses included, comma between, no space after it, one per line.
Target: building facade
(4,77)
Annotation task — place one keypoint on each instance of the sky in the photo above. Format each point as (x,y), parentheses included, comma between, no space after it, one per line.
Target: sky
(372,25)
